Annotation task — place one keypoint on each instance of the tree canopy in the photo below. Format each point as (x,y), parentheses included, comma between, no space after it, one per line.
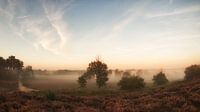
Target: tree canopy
(96,69)
(192,72)
(160,79)
(11,63)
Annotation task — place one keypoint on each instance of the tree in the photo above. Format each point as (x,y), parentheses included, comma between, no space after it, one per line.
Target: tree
(82,80)
(2,63)
(110,71)
(160,79)
(98,69)
(192,72)
(139,72)
(14,64)
(126,74)
(131,83)
(27,72)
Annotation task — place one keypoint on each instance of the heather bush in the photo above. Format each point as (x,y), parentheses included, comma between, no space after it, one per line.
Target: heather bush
(160,79)
(131,83)
(192,72)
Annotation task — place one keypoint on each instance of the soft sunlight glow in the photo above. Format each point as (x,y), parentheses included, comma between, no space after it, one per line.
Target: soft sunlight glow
(126,34)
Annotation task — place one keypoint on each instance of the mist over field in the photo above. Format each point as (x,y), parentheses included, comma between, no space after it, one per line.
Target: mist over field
(69,80)
(99,55)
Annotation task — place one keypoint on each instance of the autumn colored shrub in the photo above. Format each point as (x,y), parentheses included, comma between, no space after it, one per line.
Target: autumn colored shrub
(192,72)
(160,79)
(131,83)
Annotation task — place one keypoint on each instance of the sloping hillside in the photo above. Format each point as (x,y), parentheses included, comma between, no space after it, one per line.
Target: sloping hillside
(178,97)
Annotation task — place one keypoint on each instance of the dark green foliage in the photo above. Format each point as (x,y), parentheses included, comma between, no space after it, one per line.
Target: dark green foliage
(131,83)
(98,69)
(160,79)
(82,81)
(13,63)
(192,72)
(101,79)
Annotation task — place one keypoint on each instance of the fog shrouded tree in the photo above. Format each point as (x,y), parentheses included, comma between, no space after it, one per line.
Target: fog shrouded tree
(126,74)
(160,79)
(27,72)
(192,72)
(96,69)
(82,80)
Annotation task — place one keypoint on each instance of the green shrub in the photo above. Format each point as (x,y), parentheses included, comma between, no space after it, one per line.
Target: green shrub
(131,83)
(192,72)
(160,79)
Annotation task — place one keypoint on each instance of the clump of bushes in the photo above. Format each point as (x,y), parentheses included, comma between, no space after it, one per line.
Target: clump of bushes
(160,79)
(131,83)
(192,72)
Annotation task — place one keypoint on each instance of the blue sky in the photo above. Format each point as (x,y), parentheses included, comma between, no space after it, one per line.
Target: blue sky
(57,34)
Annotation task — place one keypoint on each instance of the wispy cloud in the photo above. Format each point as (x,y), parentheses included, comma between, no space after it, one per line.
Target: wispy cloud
(48,30)
(178,11)
(128,18)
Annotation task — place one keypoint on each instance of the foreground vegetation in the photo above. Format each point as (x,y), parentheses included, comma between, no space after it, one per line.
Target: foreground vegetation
(132,95)
(178,97)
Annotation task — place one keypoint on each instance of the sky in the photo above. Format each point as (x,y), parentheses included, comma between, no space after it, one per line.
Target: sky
(125,34)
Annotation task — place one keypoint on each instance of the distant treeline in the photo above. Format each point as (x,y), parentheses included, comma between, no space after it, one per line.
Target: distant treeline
(57,72)
(11,63)
(11,68)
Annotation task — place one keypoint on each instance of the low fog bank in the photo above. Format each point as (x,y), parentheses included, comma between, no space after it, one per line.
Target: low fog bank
(68,79)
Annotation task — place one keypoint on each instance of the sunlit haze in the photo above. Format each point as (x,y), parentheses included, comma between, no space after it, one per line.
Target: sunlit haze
(68,34)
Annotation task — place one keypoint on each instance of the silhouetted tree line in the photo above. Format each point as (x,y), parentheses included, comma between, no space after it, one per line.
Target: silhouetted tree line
(128,81)
(11,67)
(27,72)
(192,72)
(11,63)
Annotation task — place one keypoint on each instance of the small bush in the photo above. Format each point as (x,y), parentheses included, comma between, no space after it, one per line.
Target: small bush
(192,72)
(131,83)
(160,79)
